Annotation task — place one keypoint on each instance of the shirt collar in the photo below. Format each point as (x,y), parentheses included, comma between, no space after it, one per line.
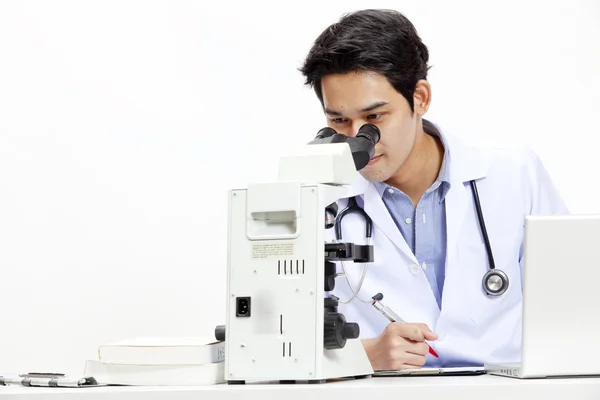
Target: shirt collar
(443,180)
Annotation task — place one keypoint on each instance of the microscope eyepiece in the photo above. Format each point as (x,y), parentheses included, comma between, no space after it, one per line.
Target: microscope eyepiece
(362,145)
(325,132)
(371,132)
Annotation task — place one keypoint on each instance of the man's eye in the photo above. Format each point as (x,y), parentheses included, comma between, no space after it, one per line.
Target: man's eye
(374,116)
(338,120)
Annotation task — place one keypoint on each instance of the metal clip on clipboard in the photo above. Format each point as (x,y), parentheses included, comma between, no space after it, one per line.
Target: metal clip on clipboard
(38,379)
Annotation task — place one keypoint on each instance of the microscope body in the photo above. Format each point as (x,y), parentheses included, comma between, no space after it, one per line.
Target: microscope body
(280,324)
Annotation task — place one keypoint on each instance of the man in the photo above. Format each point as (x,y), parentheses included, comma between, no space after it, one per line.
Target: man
(371,67)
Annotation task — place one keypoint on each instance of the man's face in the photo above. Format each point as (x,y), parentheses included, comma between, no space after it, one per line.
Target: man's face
(354,99)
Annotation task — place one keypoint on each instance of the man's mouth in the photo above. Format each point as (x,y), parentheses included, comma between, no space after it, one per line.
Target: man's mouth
(374,159)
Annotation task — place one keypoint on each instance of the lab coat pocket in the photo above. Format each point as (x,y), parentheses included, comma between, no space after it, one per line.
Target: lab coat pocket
(481,308)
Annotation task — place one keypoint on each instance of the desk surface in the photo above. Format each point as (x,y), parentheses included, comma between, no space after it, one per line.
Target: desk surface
(486,387)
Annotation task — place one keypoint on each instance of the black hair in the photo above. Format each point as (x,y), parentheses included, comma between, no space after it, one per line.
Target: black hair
(381,41)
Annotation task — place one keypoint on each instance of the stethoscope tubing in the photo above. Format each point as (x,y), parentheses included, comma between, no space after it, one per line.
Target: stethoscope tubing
(353,206)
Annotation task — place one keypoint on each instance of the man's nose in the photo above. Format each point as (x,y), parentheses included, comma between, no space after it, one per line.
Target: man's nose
(356,126)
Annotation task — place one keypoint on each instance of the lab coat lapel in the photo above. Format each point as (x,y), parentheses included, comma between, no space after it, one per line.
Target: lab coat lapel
(381,217)
(467,163)
(376,209)
(456,207)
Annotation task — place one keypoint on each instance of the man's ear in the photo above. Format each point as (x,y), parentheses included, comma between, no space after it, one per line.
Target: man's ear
(422,97)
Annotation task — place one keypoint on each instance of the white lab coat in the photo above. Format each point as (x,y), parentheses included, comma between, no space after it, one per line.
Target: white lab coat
(474,328)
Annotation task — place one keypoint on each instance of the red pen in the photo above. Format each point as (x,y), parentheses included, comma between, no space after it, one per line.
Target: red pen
(392,317)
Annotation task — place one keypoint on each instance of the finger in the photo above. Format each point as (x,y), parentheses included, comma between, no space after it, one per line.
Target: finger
(415,360)
(428,334)
(410,331)
(418,348)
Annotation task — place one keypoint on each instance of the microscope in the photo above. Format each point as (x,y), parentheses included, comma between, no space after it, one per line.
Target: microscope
(282,324)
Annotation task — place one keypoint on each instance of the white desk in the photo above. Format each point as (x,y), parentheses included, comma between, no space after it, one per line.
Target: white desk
(483,387)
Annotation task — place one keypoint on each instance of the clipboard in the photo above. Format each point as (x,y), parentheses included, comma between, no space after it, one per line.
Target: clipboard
(450,371)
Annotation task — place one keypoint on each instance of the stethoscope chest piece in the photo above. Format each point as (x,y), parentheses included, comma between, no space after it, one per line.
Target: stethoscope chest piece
(495,282)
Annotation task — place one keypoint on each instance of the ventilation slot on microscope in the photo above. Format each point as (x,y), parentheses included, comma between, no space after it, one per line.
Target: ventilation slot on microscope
(287,349)
(290,267)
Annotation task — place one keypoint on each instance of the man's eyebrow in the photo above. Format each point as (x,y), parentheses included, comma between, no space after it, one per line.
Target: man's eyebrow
(374,106)
(332,112)
(366,109)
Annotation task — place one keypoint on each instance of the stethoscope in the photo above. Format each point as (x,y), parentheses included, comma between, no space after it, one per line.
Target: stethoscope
(494,282)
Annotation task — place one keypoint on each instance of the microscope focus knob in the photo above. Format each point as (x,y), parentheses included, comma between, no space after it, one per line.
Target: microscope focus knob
(330,273)
(329,283)
(337,331)
(331,302)
(351,330)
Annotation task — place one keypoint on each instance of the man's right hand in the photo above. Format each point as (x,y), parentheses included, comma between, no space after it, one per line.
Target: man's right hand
(400,346)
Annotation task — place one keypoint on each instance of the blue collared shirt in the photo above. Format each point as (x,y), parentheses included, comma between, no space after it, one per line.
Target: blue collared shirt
(424,226)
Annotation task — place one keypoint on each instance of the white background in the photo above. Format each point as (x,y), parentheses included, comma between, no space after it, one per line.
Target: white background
(123,124)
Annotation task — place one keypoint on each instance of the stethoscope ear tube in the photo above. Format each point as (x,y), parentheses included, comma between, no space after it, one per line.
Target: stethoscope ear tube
(482,225)
(353,207)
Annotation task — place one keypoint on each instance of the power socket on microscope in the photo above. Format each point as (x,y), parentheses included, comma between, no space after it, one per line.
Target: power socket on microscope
(242,307)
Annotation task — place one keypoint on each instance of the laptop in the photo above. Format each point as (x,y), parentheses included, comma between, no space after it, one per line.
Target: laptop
(561,299)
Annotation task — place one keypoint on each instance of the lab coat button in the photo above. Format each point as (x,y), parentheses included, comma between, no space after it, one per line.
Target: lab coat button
(414,269)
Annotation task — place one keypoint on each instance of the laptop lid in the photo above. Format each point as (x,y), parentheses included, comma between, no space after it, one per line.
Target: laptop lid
(561,289)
